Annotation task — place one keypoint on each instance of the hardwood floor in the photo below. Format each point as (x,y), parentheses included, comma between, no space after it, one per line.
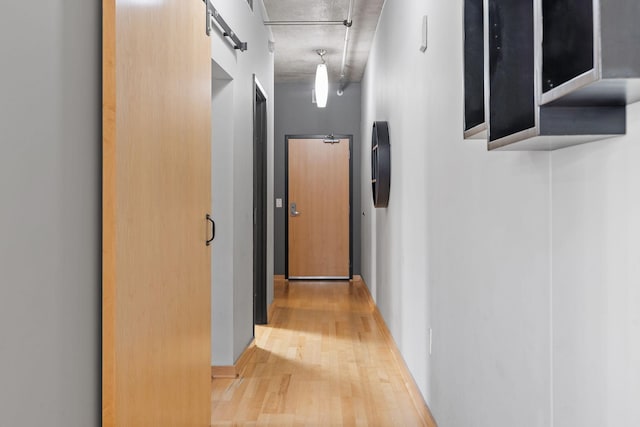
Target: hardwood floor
(324,360)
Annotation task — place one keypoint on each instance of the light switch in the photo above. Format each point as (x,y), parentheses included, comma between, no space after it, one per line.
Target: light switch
(278,203)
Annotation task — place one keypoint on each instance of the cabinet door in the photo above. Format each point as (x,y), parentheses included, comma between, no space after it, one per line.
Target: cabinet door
(474,99)
(156,190)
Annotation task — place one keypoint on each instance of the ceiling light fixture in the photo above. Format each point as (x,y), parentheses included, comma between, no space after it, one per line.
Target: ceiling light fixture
(322,81)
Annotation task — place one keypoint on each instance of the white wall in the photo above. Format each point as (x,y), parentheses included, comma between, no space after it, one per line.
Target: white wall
(50,191)
(232,285)
(464,245)
(596,281)
(526,263)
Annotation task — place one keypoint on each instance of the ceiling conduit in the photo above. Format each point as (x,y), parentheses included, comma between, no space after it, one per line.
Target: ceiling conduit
(347,23)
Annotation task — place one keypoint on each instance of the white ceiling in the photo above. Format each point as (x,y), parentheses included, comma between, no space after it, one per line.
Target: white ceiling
(295,46)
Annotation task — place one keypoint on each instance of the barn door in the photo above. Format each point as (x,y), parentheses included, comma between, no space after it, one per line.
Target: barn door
(156,194)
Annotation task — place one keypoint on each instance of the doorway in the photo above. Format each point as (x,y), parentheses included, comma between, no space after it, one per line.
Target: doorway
(319,242)
(259,204)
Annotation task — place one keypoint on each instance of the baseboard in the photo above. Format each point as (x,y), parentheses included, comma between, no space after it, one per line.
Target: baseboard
(278,281)
(270,310)
(235,371)
(409,382)
(244,358)
(223,372)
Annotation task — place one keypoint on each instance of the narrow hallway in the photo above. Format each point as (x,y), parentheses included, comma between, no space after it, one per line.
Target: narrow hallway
(324,359)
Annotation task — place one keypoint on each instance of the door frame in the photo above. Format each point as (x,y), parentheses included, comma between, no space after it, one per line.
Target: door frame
(286,197)
(259,200)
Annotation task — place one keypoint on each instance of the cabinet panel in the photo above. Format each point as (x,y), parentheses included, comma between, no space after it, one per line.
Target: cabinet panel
(474,99)
(589,51)
(568,43)
(512,106)
(516,119)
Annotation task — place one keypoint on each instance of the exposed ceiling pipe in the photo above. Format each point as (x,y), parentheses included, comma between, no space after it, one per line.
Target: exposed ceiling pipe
(347,23)
(284,23)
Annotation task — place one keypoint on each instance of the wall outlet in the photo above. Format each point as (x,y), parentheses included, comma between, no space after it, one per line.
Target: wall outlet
(278,203)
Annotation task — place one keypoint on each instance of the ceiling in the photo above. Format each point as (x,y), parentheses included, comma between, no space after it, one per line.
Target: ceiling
(295,45)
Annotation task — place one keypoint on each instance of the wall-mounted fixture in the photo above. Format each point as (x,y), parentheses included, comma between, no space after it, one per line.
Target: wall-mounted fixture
(425,33)
(214,16)
(549,79)
(380,164)
(590,52)
(322,81)
(516,119)
(475,126)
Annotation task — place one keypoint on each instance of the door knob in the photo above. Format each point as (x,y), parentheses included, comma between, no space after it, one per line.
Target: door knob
(294,211)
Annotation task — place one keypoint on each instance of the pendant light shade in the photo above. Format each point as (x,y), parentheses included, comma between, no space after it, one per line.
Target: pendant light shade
(322,83)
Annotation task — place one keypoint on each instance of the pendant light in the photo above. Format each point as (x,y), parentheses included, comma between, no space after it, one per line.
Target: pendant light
(322,81)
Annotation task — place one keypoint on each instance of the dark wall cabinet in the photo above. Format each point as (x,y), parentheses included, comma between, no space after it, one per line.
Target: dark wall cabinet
(590,52)
(474,99)
(516,119)
(556,72)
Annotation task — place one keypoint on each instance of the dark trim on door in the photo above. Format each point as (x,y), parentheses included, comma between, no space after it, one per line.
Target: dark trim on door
(259,204)
(286,199)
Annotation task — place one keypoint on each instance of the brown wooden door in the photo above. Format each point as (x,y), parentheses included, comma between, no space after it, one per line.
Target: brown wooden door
(318,182)
(156,194)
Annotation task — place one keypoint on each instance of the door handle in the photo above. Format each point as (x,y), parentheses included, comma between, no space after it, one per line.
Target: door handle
(294,211)
(213,229)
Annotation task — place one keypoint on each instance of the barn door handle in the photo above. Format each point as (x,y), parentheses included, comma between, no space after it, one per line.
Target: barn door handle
(294,211)
(213,229)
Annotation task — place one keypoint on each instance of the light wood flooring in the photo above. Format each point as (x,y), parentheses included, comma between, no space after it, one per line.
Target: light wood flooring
(325,359)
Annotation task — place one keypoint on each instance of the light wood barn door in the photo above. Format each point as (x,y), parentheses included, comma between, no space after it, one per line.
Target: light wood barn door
(156,194)
(318,211)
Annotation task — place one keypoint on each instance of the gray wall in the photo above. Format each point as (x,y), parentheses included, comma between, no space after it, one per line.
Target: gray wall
(296,114)
(50,145)
(232,177)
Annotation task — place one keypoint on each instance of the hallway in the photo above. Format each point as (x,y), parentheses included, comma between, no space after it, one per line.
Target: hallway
(323,360)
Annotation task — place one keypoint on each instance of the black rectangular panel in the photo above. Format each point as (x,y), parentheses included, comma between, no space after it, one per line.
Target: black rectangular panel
(511,67)
(567,46)
(473,64)
(560,121)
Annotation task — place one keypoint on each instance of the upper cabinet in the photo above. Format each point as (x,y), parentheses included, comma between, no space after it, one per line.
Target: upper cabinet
(474,99)
(556,72)
(590,52)
(516,119)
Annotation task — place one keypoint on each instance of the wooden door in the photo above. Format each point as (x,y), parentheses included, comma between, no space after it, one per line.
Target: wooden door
(156,194)
(318,211)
